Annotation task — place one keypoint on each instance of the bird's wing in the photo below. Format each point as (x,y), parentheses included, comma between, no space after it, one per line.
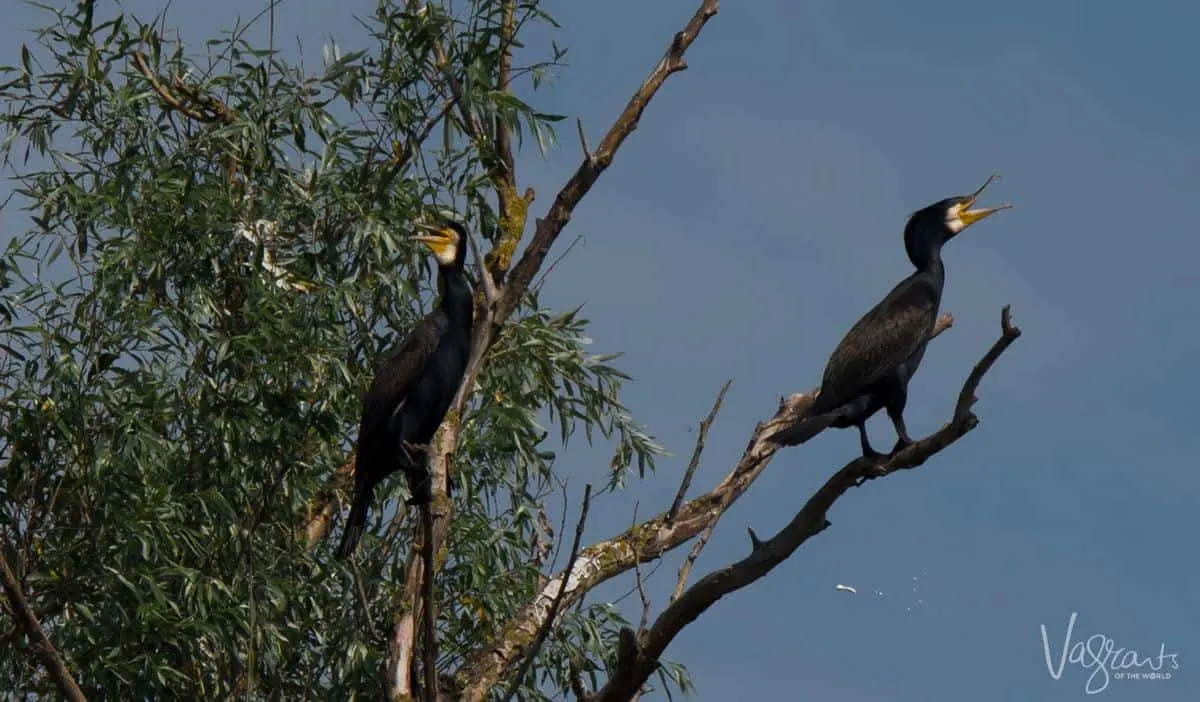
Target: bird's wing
(396,375)
(878,342)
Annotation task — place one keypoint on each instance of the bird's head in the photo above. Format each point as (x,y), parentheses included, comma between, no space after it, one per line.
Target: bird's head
(955,214)
(936,224)
(960,212)
(447,238)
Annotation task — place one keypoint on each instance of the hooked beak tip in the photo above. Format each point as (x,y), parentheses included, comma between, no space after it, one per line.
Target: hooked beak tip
(975,195)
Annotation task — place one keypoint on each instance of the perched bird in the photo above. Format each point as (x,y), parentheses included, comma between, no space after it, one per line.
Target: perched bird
(870,369)
(414,387)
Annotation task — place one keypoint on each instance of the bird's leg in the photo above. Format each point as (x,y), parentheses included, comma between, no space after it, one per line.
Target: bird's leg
(870,465)
(867,451)
(903,440)
(897,399)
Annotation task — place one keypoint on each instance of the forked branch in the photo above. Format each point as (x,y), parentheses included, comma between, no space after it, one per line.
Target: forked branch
(638,662)
(549,227)
(640,544)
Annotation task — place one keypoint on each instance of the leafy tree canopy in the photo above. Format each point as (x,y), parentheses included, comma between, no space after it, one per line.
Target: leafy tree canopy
(219,253)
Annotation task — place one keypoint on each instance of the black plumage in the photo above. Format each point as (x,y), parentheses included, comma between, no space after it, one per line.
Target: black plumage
(871,367)
(414,387)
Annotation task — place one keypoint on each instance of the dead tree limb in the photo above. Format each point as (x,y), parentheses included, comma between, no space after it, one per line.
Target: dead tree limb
(641,659)
(549,227)
(645,542)
(694,463)
(39,644)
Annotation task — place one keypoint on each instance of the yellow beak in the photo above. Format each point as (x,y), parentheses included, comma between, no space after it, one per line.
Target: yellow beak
(439,236)
(969,216)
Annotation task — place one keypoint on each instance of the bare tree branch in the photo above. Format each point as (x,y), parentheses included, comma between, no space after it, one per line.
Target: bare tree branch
(537,284)
(549,227)
(555,605)
(640,660)
(503,138)
(39,644)
(645,542)
(693,464)
(685,569)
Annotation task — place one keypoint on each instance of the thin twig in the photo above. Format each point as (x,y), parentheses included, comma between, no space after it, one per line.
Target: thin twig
(361,591)
(417,140)
(583,144)
(694,463)
(537,285)
(639,581)
(685,569)
(544,630)
(562,522)
(270,37)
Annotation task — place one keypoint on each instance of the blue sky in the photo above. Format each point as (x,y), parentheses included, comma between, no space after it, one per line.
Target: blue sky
(757,212)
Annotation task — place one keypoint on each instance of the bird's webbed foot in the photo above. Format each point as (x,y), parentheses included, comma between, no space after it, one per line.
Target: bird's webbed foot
(902,443)
(871,463)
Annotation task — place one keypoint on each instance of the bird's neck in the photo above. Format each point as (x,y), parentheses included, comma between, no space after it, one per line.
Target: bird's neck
(928,260)
(456,293)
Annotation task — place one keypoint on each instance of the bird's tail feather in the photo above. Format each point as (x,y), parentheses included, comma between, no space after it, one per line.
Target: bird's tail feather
(805,429)
(355,523)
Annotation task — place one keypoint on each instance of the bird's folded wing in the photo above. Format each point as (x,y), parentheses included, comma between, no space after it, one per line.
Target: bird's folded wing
(884,338)
(403,367)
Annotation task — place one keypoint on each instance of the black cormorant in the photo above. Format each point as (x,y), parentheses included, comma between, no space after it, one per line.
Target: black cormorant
(414,387)
(872,365)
